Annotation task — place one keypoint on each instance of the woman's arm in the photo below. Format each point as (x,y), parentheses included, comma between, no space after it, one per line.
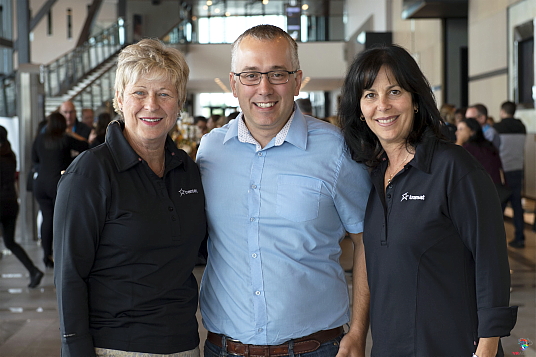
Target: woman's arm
(79,216)
(476,212)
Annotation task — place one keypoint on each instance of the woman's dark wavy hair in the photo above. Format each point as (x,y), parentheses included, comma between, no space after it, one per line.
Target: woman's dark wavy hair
(363,143)
(55,130)
(478,137)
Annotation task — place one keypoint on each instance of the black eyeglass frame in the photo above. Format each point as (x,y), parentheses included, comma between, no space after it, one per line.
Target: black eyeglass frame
(267,76)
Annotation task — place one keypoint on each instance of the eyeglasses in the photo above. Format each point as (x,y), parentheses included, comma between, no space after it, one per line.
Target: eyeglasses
(254,78)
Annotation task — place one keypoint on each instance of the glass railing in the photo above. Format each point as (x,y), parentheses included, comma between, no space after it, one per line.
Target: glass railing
(62,74)
(8,90)
(225,29)
(98,93)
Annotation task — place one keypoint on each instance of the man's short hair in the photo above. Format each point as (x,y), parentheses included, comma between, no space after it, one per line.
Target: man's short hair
(267,33)
(480,108)
(199,118)
(305,105)
(509,108)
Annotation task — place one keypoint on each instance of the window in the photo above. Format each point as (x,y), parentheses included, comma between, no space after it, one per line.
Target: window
(524,62)
(69,24)
(49,23)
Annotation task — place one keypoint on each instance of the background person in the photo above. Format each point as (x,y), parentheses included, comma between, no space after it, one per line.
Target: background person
(51,154)
(98,134)
(68,110)
(127,243)
(434,237)
(470,136)
(281,191)
(9,208)
(305,105)
(480,113)
(88,117)
(512,150)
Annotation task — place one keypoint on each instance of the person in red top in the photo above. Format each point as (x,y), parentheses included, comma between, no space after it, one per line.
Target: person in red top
(470,136)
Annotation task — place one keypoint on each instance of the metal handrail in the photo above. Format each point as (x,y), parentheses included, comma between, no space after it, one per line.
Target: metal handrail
(60,75)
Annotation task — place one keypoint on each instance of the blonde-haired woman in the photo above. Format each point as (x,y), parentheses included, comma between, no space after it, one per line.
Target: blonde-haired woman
(126,244)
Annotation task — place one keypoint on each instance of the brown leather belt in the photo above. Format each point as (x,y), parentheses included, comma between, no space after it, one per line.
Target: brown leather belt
(301,345)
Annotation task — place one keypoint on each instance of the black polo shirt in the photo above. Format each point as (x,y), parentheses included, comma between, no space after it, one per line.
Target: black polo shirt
(126,242)
(436,256)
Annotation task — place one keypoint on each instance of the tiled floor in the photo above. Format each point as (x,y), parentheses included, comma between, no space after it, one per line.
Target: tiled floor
(29,320)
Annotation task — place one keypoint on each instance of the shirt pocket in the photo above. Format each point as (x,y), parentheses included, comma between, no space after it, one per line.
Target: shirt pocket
(298,197)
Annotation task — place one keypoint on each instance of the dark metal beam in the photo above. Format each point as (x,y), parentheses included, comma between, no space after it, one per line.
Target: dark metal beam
(23,31)
(90,19)
(4,42)
(41,13)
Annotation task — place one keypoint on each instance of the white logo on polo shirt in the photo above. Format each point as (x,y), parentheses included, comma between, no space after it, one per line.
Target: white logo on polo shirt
(406,196)
(187,192)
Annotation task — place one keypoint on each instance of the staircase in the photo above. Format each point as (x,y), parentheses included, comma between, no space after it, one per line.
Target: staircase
(91,91)
(85,75)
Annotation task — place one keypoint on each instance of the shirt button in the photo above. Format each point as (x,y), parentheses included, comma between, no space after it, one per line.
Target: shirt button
(389,196)
(257,292)
(254,255)
(253,186)
(252,219)
(259,153)
(260,329)
(170,208)
(173,218)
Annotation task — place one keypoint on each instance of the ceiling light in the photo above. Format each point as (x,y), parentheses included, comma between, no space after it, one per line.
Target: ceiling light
(227,13)
(205,7)
(209,2)
(304,82)
(217,11)
(221,85)
(305,7)
(265,2)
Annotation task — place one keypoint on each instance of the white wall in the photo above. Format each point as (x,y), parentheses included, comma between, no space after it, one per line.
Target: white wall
(12,127)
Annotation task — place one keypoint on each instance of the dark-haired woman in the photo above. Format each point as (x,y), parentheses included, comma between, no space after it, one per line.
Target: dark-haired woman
(51,153)
(434,237)
(98,135)
(470,135)
(9,207)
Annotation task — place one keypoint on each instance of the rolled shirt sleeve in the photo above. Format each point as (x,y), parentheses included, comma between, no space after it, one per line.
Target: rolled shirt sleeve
(476,212)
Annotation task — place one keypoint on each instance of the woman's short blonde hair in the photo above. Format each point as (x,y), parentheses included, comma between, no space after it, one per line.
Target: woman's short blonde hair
(150,57)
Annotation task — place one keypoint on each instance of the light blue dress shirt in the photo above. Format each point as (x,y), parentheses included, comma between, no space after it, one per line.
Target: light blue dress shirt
(275,219)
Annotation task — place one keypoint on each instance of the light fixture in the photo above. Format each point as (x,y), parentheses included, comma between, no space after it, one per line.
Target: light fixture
(305,7)
(265,2)
(216,10)
(221,85)
(205,7)
(304,82)
(227,14)
(209,2)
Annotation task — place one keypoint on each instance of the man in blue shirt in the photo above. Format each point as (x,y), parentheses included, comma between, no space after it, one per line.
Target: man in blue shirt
(281,191)
(480,113)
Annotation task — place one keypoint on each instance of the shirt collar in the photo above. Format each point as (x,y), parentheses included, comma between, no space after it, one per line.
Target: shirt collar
(422,160)
(293,132)
(124,155)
